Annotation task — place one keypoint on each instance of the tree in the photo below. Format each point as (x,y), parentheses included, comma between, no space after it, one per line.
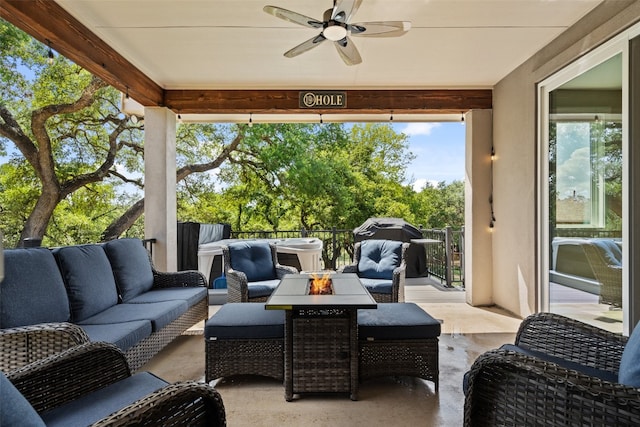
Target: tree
(70,149)
(317,176)
(63,122)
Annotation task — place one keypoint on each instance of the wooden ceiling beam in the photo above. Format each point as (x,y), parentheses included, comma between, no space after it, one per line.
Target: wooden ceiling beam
(357,101)
(47,22)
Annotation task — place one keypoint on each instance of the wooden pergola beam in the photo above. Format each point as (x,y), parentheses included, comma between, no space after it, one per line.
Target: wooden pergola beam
(47,22)
(357,101)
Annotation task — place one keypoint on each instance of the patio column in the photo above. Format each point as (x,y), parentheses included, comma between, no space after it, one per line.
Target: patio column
(478,268)
(160,185)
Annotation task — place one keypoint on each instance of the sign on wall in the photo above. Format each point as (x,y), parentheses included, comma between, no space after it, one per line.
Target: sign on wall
(323,99)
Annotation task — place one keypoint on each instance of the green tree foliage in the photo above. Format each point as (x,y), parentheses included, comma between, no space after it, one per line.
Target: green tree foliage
(72,167)
(441,205)
(316,176)
(62,132)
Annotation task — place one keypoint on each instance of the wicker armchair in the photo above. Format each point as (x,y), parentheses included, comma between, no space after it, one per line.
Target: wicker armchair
(381,267)
(252,270)
(23,345)
(70,377)
(527,386)
(605,259)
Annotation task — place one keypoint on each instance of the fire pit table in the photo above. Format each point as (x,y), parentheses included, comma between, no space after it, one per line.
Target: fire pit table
(321,332)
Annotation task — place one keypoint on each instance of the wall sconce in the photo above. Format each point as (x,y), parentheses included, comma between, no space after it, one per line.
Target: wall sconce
(49,53)
(391,117)
(250,119)
(493,217)
(321,122)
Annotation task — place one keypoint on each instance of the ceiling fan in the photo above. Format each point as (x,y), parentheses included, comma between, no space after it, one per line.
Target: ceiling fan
(335,27)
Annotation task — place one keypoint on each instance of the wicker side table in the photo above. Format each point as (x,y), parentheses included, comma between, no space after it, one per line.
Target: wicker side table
(321,333)
(321,352)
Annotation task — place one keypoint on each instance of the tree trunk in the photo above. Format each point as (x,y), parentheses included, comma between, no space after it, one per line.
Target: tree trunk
(38,219)
(122,224)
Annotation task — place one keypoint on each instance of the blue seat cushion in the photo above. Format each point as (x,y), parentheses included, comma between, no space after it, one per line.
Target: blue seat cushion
(101,403)
(15,410)
(587,370)
(191,295)
(245,321)
(396,321)
(32,290)
(629,373)
(378,286)
(159,313)
(263,288)
(131,266)
(378,258)
(254,259)
(124,334)
(89,280)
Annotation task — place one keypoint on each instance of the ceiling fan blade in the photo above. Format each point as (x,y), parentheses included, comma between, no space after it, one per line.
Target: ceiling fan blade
(380,29)
(348,51)
(294,17)
(343,10)
(305,46)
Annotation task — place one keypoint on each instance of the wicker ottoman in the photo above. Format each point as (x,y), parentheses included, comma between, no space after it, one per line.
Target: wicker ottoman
(398,339)
(244,339)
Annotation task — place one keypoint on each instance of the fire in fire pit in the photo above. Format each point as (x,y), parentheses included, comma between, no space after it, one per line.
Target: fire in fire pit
(320,285)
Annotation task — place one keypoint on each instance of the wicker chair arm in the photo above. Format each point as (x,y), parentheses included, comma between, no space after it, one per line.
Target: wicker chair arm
(63,377)
(237,286)
(282,270)
(23,345)
(350,268)
(399,279)
(179,279)
(187,403)
(571,340)
(507,388)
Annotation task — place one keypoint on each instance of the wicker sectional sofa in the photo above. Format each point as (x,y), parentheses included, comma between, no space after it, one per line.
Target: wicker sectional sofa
(54,299)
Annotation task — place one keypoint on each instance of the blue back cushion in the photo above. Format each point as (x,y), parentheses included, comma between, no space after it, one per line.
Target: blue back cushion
(378,258)
(610,250)
(15,410)
(253,259)
(32,290)
(89,279)
(131,266)
(629,373)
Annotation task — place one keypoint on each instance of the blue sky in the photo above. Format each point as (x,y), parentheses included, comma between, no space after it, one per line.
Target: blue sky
(439,151)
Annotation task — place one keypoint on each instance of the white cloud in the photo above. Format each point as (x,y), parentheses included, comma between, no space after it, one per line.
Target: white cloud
(421,184)
(419,128)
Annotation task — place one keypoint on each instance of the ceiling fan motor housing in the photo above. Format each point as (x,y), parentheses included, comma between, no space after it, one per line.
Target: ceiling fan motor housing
(334,30)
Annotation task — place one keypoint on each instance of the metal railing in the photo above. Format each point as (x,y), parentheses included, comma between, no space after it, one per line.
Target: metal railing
(445,260)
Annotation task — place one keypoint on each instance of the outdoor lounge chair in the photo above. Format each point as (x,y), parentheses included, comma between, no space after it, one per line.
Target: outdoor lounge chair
(91,384)
(381,267)
(560,372)
(252,270)
(605,258)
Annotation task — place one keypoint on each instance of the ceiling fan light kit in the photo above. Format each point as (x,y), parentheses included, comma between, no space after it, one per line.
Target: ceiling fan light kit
(336,27)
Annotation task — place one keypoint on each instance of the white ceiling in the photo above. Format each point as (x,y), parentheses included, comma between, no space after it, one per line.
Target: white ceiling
(231,44)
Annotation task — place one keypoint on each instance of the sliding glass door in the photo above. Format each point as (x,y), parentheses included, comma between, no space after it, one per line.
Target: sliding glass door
(582,190)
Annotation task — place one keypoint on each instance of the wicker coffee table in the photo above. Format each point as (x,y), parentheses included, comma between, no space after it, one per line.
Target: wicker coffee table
(321,334)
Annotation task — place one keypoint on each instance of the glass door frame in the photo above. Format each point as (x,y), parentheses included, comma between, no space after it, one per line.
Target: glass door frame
(615,46)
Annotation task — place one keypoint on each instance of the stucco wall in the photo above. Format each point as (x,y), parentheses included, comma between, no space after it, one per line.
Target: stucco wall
(514,133)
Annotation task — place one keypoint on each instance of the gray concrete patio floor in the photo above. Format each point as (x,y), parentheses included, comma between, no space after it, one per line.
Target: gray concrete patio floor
(254,401)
